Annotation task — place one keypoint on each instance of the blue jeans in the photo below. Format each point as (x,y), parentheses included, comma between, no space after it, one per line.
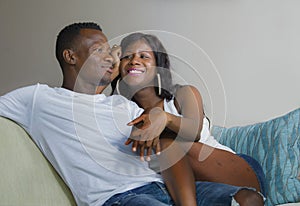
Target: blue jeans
(153,194)
(208,193)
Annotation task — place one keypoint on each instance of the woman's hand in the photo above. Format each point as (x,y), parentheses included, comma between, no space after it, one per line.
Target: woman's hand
(116,54)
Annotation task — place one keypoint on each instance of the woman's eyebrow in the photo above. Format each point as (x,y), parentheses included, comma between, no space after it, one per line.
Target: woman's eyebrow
(133,52)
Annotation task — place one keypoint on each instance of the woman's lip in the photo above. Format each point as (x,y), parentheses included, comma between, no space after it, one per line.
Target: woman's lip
(130,69)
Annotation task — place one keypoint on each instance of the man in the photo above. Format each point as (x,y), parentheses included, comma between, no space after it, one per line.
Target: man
(83,133)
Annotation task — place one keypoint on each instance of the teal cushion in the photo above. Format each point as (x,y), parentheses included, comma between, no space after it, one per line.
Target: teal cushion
(276,145)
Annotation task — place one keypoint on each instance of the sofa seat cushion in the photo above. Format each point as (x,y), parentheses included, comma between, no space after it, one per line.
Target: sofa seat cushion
(276,145)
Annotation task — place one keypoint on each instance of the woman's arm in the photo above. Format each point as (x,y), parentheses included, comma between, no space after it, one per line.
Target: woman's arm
(188,102)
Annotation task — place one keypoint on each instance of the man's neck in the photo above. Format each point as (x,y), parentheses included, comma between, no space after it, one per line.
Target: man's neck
(100,89)
(80,88)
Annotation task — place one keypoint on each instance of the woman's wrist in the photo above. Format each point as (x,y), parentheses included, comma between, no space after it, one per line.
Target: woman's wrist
(169,119)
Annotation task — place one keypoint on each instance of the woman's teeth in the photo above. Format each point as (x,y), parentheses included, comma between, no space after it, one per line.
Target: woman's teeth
(135,72)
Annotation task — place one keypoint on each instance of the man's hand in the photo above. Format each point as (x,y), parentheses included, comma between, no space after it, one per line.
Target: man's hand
(146,131)
(145,146)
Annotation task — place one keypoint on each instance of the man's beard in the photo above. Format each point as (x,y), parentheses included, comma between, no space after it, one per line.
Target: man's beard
(104,81)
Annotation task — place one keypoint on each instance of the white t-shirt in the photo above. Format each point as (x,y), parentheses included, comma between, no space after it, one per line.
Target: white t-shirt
(205,136)
(83,137)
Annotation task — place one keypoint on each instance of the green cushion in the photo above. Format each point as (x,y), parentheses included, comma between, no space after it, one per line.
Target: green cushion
(26,176)
(276,145)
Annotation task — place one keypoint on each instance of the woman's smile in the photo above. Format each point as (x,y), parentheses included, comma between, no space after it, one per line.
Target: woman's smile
(135,71)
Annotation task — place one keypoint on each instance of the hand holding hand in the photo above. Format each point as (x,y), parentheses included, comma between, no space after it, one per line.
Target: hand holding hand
(146,131)
(145,146)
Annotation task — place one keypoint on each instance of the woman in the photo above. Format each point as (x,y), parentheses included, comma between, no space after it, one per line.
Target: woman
(146,79)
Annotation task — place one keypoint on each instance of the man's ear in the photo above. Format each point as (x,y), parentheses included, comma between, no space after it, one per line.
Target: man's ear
(69,56)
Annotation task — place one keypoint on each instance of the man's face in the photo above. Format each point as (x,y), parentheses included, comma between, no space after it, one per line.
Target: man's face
(94,60)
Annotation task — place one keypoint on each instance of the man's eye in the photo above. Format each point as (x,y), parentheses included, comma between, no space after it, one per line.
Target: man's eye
(99,50)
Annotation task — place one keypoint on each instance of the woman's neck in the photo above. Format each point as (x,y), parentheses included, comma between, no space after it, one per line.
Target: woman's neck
(147,98)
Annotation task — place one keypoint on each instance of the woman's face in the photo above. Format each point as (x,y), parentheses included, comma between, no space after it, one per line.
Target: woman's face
(138,65)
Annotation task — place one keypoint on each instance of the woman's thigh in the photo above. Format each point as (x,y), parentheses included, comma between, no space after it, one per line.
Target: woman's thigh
(215,165)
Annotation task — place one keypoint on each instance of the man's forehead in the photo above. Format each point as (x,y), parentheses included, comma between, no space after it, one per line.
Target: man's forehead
(93,34)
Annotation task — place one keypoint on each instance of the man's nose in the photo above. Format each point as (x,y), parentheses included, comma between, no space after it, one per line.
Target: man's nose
(108,57)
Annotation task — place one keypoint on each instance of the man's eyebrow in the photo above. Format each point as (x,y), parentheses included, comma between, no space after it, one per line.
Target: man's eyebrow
(102,46)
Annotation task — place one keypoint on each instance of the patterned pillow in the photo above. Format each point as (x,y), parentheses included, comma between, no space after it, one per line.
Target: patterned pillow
(276,145)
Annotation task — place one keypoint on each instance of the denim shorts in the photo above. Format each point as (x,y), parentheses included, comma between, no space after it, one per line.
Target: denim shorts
(218,194)
(208,193)
(258,171)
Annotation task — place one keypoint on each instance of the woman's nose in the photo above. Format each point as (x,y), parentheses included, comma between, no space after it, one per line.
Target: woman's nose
(134,60)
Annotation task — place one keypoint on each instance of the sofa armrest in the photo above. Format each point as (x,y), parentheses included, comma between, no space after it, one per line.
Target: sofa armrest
(26,176)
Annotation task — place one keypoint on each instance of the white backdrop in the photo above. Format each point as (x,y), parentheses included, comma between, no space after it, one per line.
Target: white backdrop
(241,54)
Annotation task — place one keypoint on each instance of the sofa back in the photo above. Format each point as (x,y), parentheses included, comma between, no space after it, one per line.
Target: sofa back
(26,176)
(275,144)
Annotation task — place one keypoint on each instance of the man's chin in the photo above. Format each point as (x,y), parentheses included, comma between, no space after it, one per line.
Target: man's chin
(104,82)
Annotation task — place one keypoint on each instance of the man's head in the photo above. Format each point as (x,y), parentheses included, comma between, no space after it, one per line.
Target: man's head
(68,37)
(84,56)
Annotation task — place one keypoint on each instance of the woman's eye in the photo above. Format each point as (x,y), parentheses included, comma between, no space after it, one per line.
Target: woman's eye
(143,56)
(126,57)
(100,50)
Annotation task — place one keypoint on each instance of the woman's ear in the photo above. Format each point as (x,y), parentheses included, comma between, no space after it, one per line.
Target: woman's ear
(69,56)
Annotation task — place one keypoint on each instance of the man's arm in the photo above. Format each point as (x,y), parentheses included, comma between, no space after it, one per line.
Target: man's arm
(17,105)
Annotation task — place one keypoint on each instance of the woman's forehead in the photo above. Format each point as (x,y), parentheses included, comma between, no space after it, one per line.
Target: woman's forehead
(138,46)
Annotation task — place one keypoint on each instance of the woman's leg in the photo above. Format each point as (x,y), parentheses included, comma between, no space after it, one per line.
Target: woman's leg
(207,164)
(212,193)
(177,173)
(215,165)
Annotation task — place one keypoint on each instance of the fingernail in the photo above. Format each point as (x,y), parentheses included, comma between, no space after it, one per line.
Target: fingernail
(148,159)
(134,149)
(142,159)
(158,153)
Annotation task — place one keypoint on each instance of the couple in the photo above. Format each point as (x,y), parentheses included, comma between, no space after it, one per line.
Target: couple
(83,133)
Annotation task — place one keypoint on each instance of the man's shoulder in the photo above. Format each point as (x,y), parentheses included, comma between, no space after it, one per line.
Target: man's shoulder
(25,90)
(34,87)
(121,100)
(116,98)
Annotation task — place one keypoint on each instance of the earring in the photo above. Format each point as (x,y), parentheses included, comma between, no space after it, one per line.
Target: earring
(117,87)
(158,83)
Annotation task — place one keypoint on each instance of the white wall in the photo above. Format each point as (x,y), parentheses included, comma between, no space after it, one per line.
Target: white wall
(241,54)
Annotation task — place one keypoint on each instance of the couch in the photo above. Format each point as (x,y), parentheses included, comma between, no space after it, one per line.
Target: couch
(27,178)
(276,145)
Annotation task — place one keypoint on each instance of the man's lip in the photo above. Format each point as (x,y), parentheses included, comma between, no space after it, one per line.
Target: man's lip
(108,68)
